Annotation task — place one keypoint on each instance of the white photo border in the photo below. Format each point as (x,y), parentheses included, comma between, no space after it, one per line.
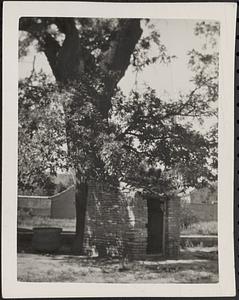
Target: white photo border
(225,13)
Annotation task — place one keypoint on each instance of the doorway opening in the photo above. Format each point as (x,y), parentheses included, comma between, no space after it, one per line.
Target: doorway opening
(155,226)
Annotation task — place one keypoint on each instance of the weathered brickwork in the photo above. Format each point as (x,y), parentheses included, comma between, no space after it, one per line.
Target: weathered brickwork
(116,224)
(106,221)
(172,227)
(136,236)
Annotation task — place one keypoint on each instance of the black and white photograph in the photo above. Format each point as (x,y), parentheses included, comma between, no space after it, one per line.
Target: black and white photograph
(118,148)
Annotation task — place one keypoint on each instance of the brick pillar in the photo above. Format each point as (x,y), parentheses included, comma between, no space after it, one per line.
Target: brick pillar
(106,220)
(136,236)
(172,230)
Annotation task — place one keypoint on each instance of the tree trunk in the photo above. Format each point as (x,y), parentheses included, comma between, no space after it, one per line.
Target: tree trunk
(70,61)
(81,195)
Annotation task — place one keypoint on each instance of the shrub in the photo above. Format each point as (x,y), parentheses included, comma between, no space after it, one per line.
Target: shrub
(187,217)
(202,228)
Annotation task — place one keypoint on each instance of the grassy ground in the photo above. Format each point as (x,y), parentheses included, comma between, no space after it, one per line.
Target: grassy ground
(201,228)
(65,268)
(197,265)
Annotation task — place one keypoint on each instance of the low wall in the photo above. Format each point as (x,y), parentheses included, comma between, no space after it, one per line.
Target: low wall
(203,211)
(37,206)
(59,206)
(63,204)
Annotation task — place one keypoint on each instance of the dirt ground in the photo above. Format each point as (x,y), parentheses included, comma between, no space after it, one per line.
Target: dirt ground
(192,268)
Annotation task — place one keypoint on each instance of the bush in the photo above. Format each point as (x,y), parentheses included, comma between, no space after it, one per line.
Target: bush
(202,228)
(187,217)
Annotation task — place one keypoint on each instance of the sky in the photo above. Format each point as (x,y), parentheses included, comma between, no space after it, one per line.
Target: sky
(167,79)
(176,35)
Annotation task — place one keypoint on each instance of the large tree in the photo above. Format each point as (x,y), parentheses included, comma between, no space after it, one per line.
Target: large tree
(141,139)
(94,54)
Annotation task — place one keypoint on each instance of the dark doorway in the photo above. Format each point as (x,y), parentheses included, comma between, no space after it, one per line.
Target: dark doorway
(155,227)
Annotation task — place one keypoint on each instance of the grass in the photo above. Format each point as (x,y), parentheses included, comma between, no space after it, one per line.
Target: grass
(201,228)
(29,222)
(66,268)
(203,267)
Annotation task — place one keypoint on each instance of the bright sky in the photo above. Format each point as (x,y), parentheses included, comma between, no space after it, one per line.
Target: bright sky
(178,37)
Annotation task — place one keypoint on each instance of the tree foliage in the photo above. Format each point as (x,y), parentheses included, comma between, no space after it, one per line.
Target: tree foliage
(145,141)
(41,134)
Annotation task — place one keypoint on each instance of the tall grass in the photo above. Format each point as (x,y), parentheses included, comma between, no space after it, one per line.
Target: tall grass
(201,228)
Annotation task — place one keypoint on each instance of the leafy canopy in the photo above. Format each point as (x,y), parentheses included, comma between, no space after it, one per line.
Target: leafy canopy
(147,142)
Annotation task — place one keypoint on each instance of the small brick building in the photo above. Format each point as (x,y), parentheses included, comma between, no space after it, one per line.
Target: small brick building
(118,223)
(135,225)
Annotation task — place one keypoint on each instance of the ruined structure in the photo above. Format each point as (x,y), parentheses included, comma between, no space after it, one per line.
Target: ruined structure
(117,223)
(134,226)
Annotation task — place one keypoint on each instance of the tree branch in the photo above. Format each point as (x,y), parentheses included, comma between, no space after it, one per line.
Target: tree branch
(38,29)
(66,26)
(51,48)
(116,59)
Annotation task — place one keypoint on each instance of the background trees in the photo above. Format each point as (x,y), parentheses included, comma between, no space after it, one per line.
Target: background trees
(41,134)
(147,142)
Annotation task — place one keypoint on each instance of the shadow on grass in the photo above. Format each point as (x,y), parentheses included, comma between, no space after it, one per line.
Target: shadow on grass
(69,268)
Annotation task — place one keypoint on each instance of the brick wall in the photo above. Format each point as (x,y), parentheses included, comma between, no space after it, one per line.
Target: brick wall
(106,220)
(136,235)
(137,241)
(172,227)
(116,222)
